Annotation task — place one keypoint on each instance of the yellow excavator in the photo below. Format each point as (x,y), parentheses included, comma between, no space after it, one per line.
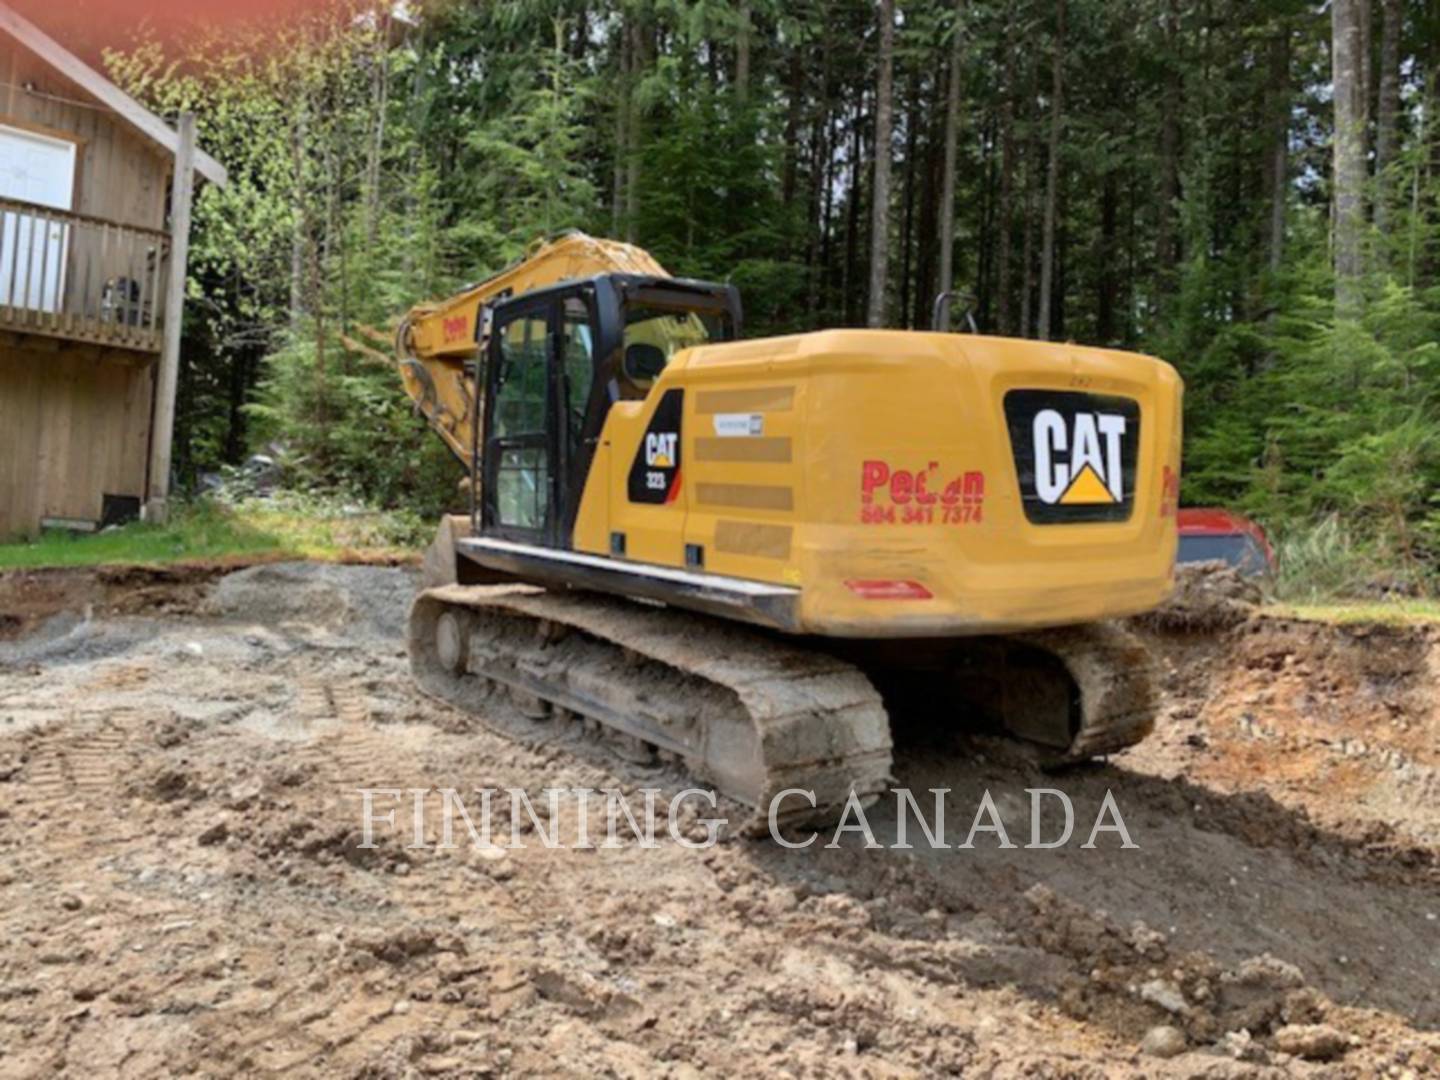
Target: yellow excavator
(749,556)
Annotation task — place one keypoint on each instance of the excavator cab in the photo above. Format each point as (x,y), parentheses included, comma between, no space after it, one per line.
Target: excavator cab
(554,361)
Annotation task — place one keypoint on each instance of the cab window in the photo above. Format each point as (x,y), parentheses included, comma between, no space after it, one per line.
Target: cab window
(520,393)
(577,345)
(522,464)
(657,333)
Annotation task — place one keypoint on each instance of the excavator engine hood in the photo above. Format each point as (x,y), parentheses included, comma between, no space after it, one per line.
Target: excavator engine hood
(907,484)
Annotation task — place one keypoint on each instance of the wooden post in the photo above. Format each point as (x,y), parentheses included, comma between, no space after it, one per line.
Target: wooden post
(162,434)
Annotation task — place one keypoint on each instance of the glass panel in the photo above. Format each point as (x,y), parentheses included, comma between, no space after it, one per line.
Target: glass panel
(670,329)
(522,491)
(520,386)
(521,487)
(578,354)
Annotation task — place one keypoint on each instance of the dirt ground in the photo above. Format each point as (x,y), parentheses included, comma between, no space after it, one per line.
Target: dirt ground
(184,890)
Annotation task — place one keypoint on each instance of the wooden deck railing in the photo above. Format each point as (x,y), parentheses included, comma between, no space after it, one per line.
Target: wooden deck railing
(67,275)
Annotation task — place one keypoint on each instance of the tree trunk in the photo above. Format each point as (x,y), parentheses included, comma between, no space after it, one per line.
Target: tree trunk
(1052,175)
(742,52)
(639,54)
(794,113)
(914,111)
(880,196)
(1027,256)
(984,277)
(1059,291)
(380,82)
(848,292)
(622,139)
(1349,154)
(300,232)
(1004,217)
(1107,280)
(1132,258)
(1280,145)
(947,176)
(1367,75)
(927,226)
(821,182)
(1391,15)
(1167,247)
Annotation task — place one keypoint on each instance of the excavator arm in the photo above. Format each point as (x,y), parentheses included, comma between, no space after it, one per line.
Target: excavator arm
(438,342)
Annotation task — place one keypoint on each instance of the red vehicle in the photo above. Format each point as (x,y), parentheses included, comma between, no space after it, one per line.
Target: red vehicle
(1209,534)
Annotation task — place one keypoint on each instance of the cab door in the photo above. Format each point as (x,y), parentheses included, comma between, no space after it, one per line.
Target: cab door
(518,471)
(539,431)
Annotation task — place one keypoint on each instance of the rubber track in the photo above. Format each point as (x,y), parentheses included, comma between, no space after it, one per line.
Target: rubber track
(1117,682)
(748,714)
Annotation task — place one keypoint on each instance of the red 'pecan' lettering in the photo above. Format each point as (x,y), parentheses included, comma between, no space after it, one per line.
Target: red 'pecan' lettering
(884,487)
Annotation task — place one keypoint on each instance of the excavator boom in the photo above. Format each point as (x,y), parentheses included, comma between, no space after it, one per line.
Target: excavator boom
(439,340)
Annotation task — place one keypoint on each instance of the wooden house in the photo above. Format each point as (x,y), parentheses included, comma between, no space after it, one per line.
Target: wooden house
(94,218)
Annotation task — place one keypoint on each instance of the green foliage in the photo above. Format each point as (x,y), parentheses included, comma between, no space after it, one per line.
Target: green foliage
(345,429)
(534,154)
(1329,558)
(377,161)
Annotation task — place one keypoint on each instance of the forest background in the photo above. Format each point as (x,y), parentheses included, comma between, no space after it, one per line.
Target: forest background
(1250,190)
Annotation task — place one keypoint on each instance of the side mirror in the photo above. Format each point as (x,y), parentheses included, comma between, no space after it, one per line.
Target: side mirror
(643,363)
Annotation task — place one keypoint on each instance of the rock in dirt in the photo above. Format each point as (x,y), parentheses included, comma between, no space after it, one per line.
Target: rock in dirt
(1164,994)
(398,946)
(215,834)
(167,785)
(565,989)
(1314,1042)
(1163,1041)
(1208,597)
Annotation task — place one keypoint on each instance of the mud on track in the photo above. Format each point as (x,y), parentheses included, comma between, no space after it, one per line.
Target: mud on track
(182,888)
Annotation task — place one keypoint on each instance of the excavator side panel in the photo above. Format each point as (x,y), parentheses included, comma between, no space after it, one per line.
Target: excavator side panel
(643,484)
(749,446)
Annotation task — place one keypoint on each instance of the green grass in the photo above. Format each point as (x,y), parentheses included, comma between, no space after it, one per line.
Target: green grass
(206,531)
(1389,612)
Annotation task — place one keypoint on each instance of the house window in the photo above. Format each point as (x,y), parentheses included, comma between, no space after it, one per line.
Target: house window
(34,248)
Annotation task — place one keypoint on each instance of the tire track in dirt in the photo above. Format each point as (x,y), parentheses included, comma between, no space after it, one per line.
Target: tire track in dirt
(87,754)
(342,749)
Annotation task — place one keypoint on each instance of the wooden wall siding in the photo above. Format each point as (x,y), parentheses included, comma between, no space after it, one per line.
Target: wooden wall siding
(72,428)
(122,178)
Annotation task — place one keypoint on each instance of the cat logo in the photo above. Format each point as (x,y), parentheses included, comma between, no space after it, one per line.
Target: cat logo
(1076,454)
(660,449)
(655,469)
(1079,464)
